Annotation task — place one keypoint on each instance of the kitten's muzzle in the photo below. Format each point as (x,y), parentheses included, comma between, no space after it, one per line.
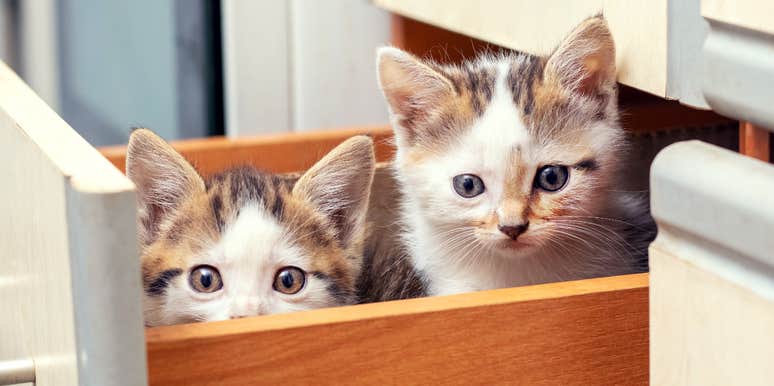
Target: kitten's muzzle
(513,231)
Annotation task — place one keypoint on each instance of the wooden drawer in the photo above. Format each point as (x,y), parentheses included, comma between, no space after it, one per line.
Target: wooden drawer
(71,283)
(658,42)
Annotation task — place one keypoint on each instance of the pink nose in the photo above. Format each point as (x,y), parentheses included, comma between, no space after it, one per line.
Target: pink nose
(513,231)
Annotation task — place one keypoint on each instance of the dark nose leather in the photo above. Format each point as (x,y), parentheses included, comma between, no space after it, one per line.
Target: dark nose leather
(513,231)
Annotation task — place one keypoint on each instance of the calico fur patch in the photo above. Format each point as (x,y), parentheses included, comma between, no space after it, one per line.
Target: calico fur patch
(538,143)
(247,226)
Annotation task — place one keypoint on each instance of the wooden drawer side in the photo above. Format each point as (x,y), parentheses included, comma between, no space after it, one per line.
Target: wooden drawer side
(585,332)
(277,153)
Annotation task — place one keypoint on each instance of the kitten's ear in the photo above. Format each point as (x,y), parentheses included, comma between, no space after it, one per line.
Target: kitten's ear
(163,179)
(410,87)
(585,61)
(339,186)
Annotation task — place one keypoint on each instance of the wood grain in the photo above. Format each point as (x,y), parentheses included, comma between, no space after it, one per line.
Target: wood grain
(574,333)
(754,141)
(277,153)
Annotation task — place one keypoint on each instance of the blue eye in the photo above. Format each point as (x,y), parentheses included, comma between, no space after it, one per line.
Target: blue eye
(289,280)
(552,178)
(468,185)
(205,278)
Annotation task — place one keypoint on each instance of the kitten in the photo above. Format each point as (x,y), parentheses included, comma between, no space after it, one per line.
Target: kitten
(244,242)
(508,167)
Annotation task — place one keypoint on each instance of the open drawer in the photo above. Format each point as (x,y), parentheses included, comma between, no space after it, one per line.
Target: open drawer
(562,332)
(658,42)
(71,282)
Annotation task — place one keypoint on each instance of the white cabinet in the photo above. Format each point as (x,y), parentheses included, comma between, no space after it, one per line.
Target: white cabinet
(712,268)
(69,273)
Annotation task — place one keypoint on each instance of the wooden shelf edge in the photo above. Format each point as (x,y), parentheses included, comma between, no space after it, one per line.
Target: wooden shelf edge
(584,332)
(164,334)
(278,153)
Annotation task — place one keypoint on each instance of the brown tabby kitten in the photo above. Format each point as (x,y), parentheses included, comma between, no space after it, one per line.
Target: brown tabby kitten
(508,167)
(244,242)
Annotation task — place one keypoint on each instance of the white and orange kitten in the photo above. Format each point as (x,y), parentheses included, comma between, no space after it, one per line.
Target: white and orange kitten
(508,167)
(244,242)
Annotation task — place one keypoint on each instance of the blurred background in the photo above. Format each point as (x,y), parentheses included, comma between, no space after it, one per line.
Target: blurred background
(192,68)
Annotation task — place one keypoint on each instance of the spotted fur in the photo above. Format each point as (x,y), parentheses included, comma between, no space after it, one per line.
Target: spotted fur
(247,224)
(502,118)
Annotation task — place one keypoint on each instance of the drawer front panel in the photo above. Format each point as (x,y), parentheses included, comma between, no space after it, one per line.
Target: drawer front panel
(639,28)
(574,333)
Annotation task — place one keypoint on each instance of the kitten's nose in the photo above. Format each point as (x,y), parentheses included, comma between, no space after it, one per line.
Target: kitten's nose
(513,231)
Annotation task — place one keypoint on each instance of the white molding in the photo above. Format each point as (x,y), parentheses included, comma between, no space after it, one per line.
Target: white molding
(255,65)
(301,65)
(738,74)
(334,72)
(711,268)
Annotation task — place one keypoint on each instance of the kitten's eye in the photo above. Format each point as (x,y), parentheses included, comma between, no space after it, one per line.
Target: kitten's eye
(468,185)
(289,280)
(205,278)
(552,177)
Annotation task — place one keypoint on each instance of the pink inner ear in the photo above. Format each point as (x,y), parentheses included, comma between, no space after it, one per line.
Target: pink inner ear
(408,83)
(593,71)
(400,100)
(585,61)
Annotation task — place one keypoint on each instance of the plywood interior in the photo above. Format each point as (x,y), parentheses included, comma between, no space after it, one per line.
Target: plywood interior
(276,153)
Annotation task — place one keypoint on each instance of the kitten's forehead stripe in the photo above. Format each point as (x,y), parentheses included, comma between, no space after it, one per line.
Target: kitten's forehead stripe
(179,226)
(479,82)
(526,72)
(473,87)
(245,185)
(547,109)
(216,203)
(277,207)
